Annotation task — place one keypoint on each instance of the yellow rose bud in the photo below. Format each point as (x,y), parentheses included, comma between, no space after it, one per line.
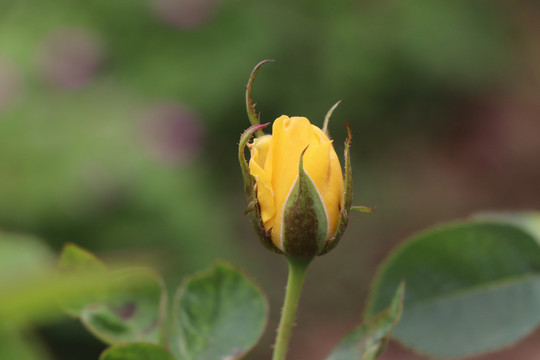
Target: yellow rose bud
(299,186)
(298,200)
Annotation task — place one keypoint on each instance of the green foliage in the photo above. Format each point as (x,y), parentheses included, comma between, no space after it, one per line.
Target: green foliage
(528,221)
(136,351)
(472,287)
(134,310)
(219,314)
(31,290)
(131,309)
(368,341)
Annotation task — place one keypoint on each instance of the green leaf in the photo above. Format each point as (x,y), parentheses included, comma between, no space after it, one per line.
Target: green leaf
(527,220)
(130,307)
(368,340)
(75,258)
(133,311)
(76,261)
(136,351)
(219,314)
(472,287)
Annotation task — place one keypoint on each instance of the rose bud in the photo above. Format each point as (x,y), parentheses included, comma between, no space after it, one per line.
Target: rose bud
(298,200)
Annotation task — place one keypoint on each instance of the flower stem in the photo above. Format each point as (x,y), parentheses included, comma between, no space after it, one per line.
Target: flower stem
(297,273)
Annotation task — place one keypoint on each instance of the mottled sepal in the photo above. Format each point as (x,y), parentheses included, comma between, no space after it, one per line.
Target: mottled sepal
(253,210)
(305,222)
(334,240)
(327,119)
(347,196)
(254,118)
(251,206)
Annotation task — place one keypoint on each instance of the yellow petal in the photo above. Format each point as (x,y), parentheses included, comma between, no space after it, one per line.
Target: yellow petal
(261,146)
(289,139)
(329,179)
(274,164)
(333,196)
(259,150)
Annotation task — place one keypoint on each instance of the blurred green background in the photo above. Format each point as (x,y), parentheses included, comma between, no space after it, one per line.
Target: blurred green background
(119,124)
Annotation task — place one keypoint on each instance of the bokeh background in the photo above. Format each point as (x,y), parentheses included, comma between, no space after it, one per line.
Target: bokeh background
(119,124)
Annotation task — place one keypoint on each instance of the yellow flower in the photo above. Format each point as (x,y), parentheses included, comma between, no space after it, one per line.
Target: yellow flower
(301,213)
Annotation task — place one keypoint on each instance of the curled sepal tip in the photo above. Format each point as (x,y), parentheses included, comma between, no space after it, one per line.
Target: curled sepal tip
(327,119)
(250,105)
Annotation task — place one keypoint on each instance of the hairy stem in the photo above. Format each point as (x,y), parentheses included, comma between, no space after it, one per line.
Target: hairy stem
(297,273)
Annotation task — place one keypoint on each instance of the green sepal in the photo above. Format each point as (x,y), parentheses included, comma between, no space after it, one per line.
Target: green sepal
(334,240)
(253,210)
(305,223)
(347,196)
(249,181)
(362,209)
(250,105)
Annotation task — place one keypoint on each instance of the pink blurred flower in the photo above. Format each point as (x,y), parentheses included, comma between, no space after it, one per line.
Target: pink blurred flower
(10,83)
(185,14)
(173,134)
(70,57)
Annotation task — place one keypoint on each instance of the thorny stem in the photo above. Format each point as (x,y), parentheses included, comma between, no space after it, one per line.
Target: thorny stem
(297,273)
